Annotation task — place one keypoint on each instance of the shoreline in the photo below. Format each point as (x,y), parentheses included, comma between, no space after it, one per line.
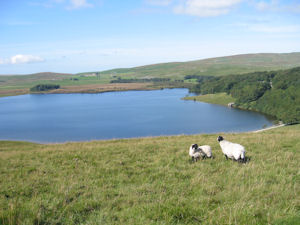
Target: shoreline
(268,128)
(95,89)
(145,137)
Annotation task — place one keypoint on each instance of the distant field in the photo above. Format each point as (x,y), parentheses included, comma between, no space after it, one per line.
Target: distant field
(98,88)
(219,98)
(152,181)
(221,66)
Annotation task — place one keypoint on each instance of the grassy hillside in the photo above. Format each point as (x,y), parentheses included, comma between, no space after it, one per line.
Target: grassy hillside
(23,81)
(218,98)
(152,181)
(238,64)
(275,93)
(219,66)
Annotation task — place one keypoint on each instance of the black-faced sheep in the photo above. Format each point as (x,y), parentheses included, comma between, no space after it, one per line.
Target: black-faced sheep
(203,151)
(232,150)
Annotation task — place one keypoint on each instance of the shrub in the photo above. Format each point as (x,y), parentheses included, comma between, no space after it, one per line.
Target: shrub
(44,87)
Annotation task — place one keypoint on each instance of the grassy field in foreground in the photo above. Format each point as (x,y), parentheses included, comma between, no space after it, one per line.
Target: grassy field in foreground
(152,181)
(218,98)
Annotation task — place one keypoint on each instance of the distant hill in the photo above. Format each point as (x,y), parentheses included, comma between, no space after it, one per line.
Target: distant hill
(18,83)
(237,64)
(170,73)
(36,76)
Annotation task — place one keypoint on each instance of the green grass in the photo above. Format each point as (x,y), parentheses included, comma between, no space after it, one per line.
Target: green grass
(237,64)
(219,98)
(151,181)
(19,83)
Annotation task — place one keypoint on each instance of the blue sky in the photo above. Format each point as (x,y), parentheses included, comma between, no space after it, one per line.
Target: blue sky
(93,35)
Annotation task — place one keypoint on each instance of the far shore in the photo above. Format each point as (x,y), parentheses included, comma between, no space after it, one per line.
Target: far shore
(90,88)
(93,89)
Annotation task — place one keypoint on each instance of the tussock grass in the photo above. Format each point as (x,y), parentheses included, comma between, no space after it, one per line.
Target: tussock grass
(151,181)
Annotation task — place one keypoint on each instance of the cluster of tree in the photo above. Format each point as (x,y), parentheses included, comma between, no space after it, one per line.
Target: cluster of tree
(144,80)
(199,78)
(44,87)
(275,93)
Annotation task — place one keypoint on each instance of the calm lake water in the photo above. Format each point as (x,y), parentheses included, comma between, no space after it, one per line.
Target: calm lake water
(81,117)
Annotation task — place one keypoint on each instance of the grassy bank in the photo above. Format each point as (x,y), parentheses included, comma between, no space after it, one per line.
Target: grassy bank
(218,98)
(151,181)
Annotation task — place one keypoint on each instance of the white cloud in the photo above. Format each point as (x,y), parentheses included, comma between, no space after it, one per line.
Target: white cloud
(262,5)
(205,8)
(21,59)
(18,59)
(159,2)
(277,6)
(76,4)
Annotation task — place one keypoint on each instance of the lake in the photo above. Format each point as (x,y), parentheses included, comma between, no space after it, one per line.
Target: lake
(46,118)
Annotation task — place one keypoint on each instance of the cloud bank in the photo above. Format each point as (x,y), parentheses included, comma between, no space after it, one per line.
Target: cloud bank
(205,8)
(22,59)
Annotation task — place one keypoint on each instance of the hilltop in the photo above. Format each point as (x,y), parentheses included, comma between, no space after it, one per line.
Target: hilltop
(219,66)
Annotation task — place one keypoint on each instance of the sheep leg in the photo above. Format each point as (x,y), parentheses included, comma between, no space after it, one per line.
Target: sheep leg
(242,160)
(226,157)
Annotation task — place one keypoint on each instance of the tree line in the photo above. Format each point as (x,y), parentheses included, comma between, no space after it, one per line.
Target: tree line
(44,87)
(275,93)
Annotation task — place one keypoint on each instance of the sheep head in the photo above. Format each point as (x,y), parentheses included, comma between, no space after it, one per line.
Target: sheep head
(220,138)
(194,146)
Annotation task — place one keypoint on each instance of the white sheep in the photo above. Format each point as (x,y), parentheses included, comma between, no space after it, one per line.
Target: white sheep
(232,150)
(203,151)
(193,152)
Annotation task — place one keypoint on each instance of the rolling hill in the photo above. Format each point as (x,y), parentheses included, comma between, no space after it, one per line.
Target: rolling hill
(236,64)
(220,66)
